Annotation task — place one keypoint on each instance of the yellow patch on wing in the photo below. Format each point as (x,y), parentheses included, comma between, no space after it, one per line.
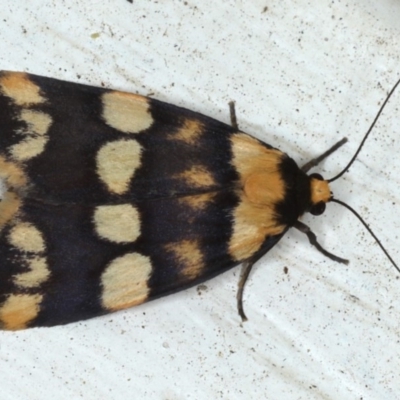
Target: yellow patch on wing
(9,206)
(18,310)
(250,158)
(129,113)
(320,191)
(119,223)
(12,174)
(252,224)
(197,202)
(18,87)
(261,188)
(25,237)
(197,176)
(189,255)
(37,274)
(117,162)
(189,133)
(125,280)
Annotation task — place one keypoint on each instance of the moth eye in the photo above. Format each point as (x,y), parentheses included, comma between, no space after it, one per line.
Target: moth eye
(316,176)
(318,209)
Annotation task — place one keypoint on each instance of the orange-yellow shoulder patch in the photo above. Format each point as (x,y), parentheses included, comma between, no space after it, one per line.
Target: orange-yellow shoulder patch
(258,168)
(261,188)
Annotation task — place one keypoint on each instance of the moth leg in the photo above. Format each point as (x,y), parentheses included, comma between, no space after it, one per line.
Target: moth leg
(315,161)
(313,240)
(244,274)
(232,112)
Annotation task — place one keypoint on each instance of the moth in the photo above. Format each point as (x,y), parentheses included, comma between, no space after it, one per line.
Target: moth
(112,199)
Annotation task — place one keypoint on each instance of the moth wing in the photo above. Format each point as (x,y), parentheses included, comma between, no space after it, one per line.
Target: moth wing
(113,199)
(82,144)
(64,264)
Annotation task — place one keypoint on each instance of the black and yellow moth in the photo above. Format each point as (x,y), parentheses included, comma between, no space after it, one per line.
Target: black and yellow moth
(112,199)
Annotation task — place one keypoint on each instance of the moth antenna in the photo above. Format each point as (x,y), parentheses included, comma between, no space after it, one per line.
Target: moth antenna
(315,161)
(368,229)
(366,136)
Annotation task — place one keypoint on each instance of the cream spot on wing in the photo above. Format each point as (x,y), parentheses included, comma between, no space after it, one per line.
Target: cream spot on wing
(129,113)
(28,148)
(189,256)
(197,176)
(25,237)
(189,133)
(117,162)
(39,273)
(18,87)
(19,309)
(120,223)
(38,122)
(125,281)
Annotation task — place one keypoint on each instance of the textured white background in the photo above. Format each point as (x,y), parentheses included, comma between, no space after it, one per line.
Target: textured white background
(303,75)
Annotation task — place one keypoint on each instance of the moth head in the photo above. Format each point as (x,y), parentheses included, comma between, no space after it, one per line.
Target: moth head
(320,194)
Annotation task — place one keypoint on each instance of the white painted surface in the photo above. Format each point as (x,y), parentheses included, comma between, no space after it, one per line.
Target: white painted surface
(303,75)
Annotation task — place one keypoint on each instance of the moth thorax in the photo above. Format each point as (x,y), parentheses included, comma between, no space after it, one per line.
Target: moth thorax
(264,188)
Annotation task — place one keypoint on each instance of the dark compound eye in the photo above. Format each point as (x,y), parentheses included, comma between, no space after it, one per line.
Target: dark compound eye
(318,209)
(317,176)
